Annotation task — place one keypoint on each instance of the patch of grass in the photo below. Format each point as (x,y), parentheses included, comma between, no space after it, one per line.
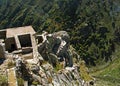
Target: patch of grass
(10,64)
(49,79)
(112,70)
(20,82)
(107,81)
(110,75)
(3,81)
(44,62)
(84,72)
(58,67)
(35,83)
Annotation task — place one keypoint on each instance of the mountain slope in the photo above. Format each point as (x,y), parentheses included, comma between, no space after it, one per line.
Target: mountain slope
(109,76)
(94,25)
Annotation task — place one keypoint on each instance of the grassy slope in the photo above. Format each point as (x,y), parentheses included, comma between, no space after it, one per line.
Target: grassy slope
(109,76)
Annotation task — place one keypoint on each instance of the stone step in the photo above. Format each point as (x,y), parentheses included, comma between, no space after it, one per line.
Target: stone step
(12,80)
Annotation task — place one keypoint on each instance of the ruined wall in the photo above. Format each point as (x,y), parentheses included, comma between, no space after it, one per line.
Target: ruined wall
(2,34)
(39,39)
(25,40)
(10,44)
(2,50)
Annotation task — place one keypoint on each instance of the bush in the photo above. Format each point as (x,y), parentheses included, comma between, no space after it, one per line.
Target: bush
(10,64)
(58,67)
(3,81)
(35,83)
(20,82)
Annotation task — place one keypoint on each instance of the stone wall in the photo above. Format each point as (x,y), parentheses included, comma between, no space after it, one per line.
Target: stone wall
(2,50)
(10,44)
(2,34)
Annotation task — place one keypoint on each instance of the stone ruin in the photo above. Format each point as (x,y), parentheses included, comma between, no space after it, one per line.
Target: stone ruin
(30,51)
(24,42)
(17,41)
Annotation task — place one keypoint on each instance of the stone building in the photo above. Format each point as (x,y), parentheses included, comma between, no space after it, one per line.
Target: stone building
(19,40)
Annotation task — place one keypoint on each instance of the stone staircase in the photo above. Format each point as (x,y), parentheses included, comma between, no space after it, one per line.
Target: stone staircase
(12,81)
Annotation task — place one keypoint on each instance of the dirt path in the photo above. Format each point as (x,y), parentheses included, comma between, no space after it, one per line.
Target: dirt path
(12,81)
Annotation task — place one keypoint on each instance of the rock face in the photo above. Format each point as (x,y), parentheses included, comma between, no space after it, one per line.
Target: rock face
(45,75)
(23,70)
(56,46)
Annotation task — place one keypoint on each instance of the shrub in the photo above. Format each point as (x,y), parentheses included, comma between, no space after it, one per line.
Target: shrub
(10,64)
(3,81)
(35,83)
(20,82)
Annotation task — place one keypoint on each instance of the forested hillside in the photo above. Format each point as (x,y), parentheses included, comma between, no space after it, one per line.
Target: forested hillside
(94,25)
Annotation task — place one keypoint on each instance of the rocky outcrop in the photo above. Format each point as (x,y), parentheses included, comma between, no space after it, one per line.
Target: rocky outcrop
(46,75)
(55,62)
(57,67)
(56,46)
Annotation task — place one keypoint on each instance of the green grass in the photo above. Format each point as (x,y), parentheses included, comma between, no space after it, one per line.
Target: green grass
(84,72)
(10,64)
(20,82)
(110,75)
(59,66)
(35,83)
(3,80)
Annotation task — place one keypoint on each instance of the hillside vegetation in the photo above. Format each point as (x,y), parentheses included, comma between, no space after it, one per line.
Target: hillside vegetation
(94,25)
(109,75)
